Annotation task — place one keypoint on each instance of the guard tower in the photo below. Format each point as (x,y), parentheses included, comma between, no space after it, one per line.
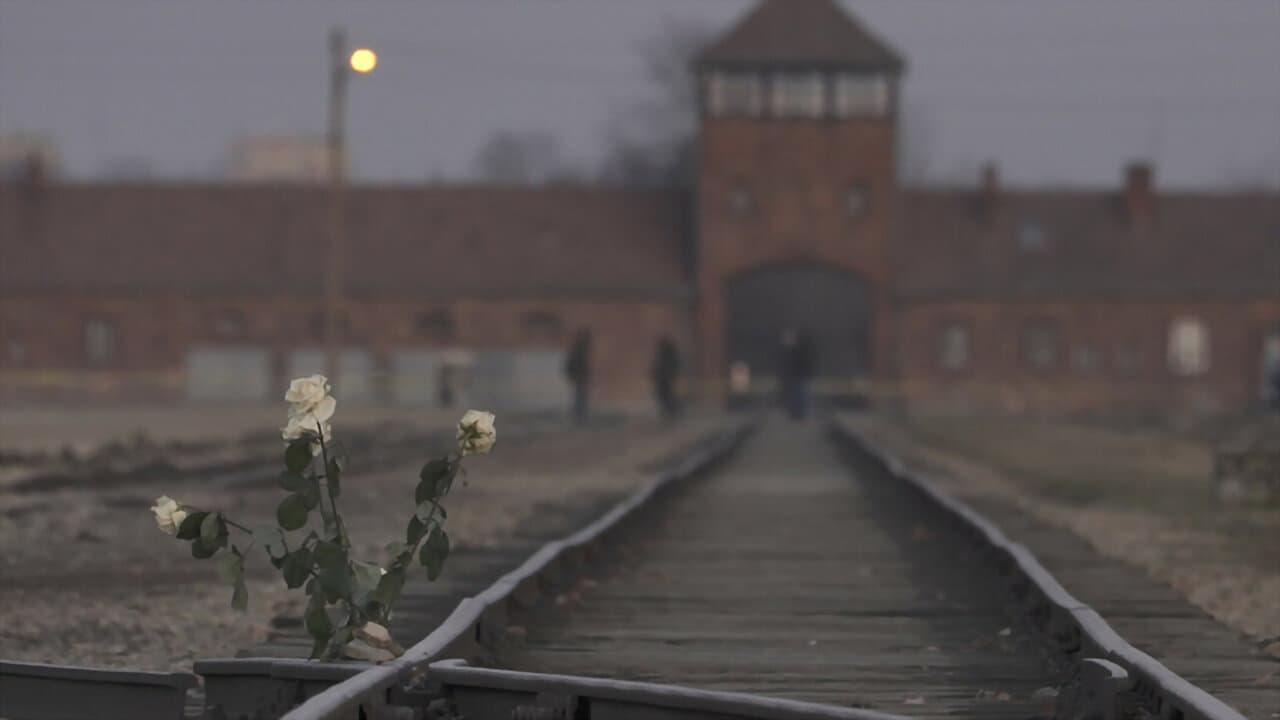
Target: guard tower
(796,195)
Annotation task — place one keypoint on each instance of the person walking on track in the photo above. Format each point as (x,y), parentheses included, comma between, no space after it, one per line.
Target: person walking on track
(577,368)
(795,369)
(665,371)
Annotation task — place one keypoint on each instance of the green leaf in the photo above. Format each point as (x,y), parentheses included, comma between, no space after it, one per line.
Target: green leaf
(211,529)
(292,512)
(297,567)
(388,589)
(297,456)
(240,596)
(190,527)
(201,551)
(415,531)
(292,481)
(426,512)
(335,583)
(433,553)
(435,480)
(311,494)
(366,575)
(271,540)
(316,619)
(230,567)
(333,476)
(329,555)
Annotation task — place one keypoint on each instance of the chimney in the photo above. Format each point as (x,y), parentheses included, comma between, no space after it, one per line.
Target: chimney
(1139,198)
(989,192)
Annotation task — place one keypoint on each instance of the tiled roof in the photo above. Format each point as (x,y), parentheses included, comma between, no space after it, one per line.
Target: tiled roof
(1194,245)
(402,241)
(800,33)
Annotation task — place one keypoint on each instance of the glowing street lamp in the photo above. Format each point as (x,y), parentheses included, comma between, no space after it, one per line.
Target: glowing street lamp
(364,60)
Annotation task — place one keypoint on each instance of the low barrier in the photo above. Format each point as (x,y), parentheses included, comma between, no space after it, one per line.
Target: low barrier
(31,691)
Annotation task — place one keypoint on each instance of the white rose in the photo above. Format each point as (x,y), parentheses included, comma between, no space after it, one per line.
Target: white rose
(476,433)
(306,424)
(306,393)
(169,514)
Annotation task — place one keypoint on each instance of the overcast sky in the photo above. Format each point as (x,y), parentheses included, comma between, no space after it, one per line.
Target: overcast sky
(1056,91)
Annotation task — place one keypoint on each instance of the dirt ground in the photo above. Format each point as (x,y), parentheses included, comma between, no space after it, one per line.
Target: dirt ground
(86,578)
(1143,495)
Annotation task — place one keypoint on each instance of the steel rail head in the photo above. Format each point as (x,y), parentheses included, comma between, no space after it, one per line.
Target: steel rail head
(660,700)
(1175,696)
(371,687)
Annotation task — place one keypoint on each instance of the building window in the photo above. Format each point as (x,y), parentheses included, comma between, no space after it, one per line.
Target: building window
(100,341)
(856,200)
(953,347)
(16,350)
(730,94)
(1188,347)
(740,201)
(856,94)
(1040,346)
(1085,360)
(541,326)
(229,323)
(1032,236)
(1128,360)
(797,95)
(434,325)
(318,320)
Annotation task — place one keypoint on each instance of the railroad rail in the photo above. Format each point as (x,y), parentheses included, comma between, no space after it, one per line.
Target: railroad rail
(578,608)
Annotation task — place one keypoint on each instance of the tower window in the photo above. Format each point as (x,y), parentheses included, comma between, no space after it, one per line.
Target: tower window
(797,95)
(1188,347)
(860,94)
(730,94)
(856,200)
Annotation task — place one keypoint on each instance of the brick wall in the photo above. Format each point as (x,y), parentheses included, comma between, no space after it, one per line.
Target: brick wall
(44,353)
(1128,339)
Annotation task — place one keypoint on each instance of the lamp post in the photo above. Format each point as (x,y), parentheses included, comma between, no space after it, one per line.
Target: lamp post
(362,61)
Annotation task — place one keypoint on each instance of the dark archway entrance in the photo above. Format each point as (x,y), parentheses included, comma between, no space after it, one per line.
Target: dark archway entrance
(829,304)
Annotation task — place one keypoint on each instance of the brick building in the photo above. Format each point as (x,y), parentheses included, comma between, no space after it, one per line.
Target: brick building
(984,299)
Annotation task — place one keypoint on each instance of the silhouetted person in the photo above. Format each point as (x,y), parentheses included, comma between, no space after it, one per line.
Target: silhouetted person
(795,370)
(1275,386)
(665,371)
(577,368)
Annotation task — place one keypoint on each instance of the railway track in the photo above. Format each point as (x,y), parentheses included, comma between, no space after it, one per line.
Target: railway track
(805,576)
(801,571)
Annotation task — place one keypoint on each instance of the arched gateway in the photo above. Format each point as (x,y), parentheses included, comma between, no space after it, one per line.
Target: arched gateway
(830,305)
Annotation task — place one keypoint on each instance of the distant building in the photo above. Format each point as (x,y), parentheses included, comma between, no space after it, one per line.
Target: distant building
(280,159)
(989,298)
(22,154)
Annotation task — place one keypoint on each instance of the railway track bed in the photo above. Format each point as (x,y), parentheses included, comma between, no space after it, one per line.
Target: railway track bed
(798,571)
